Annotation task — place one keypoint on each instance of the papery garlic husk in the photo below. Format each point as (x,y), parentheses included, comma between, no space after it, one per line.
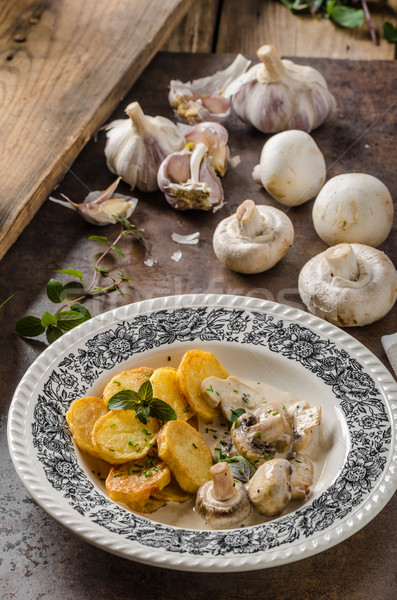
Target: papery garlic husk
(136,147)
(204,99)
(188,180)
(101,208)
(276,95)
(215,137)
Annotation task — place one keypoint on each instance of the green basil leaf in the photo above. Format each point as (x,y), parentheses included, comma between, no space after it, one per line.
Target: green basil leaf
(69,319)
(161,410)
(389,32)
(48,319)
(54,291)
(146,391)
(119,252)
(124,400)
(81,309)
(29,327)
(72,272)
(142,413)
(53,333)
(236,413)
(347,16)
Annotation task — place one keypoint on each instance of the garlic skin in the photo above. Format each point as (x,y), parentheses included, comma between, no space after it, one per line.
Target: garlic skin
(276,95)
(98,208)
(188,180)
(349,285)
(215,137)
(292,168)
(206,99)
(136,147)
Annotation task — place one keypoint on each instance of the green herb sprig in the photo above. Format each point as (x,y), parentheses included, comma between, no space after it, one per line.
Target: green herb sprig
(344,14)
(143,403)
(69,296)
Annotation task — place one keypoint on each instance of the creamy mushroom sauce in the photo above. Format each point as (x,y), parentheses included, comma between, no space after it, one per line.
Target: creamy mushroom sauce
(184,514)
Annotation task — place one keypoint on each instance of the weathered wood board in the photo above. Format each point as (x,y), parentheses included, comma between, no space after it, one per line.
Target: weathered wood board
(65,65)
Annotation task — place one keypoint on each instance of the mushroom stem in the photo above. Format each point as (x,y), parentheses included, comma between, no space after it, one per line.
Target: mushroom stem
(223,484)
(250,222)
(273,68)
(342,262)
(195,161)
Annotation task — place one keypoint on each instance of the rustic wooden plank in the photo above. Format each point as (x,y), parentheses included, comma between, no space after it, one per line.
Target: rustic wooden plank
(245,28)
(64,67)
(197,31)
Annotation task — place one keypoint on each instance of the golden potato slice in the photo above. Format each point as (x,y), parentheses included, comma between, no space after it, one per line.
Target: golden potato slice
(183,449)
(119,437)
(173,493)
(165,387)
(136,481)
(126,380)
(146,506)
(81,418)
(195,366)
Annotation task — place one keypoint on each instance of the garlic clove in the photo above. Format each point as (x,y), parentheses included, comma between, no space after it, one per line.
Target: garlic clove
(206,99)
(276,95)
(136,146)
(100,208)
(188,181)
(215,137)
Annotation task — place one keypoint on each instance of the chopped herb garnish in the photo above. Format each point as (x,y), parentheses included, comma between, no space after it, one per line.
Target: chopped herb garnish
(111,450)
(210,389)
(102,479)
(112,425)
(117,382)
(117,474)
(148,473)
(266,456)
(244,399)
(131,443)
(194,445)
(275,413)
(260,435)
(168,358)
(283,406)
(235,391)
(146,432)
(217,393)
(186,409)
(129,470)
(298,461)
(213,430)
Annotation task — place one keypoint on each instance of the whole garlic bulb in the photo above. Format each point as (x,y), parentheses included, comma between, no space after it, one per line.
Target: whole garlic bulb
(136,147)
(276,95)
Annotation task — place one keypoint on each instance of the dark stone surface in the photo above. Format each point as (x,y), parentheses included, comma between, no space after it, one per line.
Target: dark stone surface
(39,559)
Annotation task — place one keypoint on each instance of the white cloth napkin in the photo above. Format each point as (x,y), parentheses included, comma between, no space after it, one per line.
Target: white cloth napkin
(390,345)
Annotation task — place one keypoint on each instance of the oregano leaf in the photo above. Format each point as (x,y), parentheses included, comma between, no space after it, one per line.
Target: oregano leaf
(161,410)
(236,413)
(124,400)
(71,272)
(29,326)
(389,32)
(346,16)
(99,238)
(145,391)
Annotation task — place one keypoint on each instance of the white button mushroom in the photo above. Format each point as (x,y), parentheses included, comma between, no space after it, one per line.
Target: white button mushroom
(270,487)
(292,168)
(354,207)
(301,476)
(254,239)
(349,284)
(222,502)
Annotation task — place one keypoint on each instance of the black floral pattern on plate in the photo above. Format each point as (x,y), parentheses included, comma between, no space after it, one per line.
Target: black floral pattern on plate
(359,398)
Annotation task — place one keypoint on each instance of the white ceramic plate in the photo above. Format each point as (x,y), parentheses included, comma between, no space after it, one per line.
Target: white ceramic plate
(253,338)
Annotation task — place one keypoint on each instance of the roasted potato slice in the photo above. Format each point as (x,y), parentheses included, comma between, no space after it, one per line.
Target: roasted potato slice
(173,492)
(147,506)
(119,437)
(126,380)
(183,449)
(165,387)
(195,366)
(133,483)
(81,418)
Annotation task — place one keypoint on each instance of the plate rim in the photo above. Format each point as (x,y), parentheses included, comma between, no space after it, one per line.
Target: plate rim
(110,542)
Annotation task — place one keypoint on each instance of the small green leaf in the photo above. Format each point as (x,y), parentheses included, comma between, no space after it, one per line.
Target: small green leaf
(29,326)
(72,272)
(125,400)
(73,290)
(100,270)
(69,319)
(142,413)
(119,252)
(161,410)
(347,16)
(236,413)
(54,291)
(389,32)
(53,333)
(81,309)
(99,238)
(145,391)
(48,319)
